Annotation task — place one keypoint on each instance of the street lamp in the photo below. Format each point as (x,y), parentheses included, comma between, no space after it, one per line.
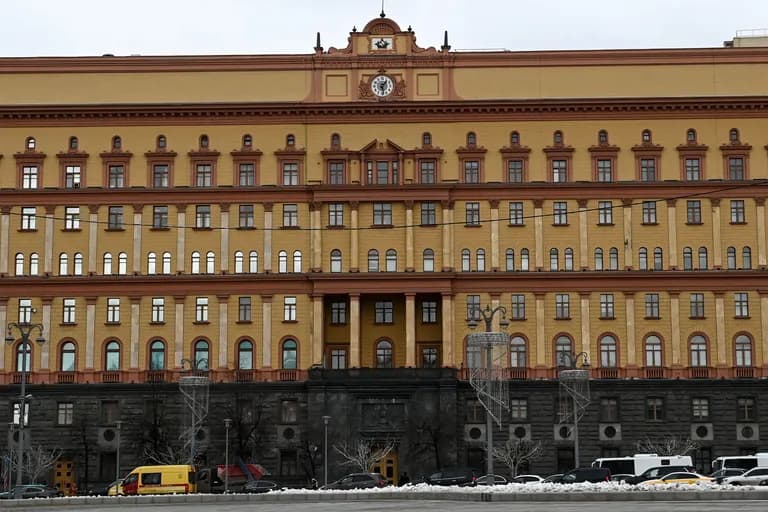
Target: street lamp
(227,426)
(326,419)
(118,427)
(488,339)
(576,383)
(25,330)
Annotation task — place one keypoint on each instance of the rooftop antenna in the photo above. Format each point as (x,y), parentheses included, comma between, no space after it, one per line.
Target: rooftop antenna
(445,46)
(382,10)
(318,46)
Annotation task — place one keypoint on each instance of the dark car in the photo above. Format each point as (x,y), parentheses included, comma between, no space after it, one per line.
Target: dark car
(31,491)
(657,472)
(259,486)
(358,481)
(491,480)
(461,476)
(587,474)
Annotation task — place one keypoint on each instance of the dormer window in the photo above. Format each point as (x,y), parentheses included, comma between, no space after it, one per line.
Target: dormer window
(204,142)
(290,140)
(162,143)
(335,141)
(690,136)
(733,136)
(117,143)
(471,139)
(646,137)
(247,141)
(557,138)
(73,143)
(31,143)
(426,139)
(602,137)
(514,138)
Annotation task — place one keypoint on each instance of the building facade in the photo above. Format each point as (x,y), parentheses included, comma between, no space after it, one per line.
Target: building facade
(312,232)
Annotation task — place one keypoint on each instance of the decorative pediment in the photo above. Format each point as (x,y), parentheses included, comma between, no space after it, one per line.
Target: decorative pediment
(381,147)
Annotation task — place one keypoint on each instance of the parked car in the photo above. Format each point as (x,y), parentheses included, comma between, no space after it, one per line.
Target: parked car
(552,479)
(586,474)
(259,486)
(31,491)
(657,472)
(621,477)
(491,480)
(752,477)
(680,478)
(461,476)
(527,479)
(358,481)
(721,474)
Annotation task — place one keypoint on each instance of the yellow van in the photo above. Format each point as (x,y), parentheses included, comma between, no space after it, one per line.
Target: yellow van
(178,479)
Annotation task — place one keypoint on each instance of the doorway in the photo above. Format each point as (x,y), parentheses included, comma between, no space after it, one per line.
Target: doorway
(388,467)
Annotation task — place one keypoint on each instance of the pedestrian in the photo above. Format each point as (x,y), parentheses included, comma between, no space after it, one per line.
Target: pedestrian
(313,484)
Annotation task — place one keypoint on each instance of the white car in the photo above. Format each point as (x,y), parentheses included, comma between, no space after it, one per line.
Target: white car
(526,479)
(752,477)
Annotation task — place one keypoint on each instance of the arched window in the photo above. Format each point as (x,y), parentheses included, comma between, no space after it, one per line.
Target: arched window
(613,259)
(166,263)
(162,142)
(608,352)
(204,142)
(557,138)
(746,258)
(290,140)
(743,346)
(703,260)
(117,143)
(253,262)
(68,357)
(480,260)
(563,351)
(384,354)
(34,264)
(653,351)
(465,260)
(554,259)
(239,262)
(687,258)
(642,257)
(122,263)
(568,258)
(698,351)
(282,262)
(733,136)
(471,139)
(602,137)
(30,144)
(335,260)
(202,355)
(428,260)
(297,262)
(157,355)
(524,259)
(63,264)
(391,258)
(112,356)
(646,136)
(473,356)
(195,262)
(426,139)
(598,258)
(247,141)
(514,138)
(78,264)
(690,135)
(210,262)
(73,143)
(19,264)
(335,141)
(517,352)
(509,258)
(245,355)
(151,263)
(730,258)
(373,260)
(290,350)
(658,259)
(23,357)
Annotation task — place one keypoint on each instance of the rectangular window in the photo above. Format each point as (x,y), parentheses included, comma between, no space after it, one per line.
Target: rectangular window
(651,305)
(606,306)
(560,213)
(604,170)
(203,216)
(384,312)
(161,176)
(336,214)
(289,309)
(243,309)
(246,175)
(204,175)
(649,212)
(25,311)
(382,172)
(115,219)
(72,217)
(518,409)
(116,176)
(72,176)
(160,217)
(17,413)
(158,310)
(735,168)
(290,216)
(515,171)
(65,413)
(68,311)
(693,209)
(290,173)
(741,304)
(110,412)
(429,312)
(246,219)
(745,409)
(473,307)
(473,213)
(516,214)
(605,212)
(609,410)
(382,214)
(113,310)
(471,171)
(429,357)
(336,173)
(201,309)
(338,359)
(562,306)
(654,409)
(288,462)
(28,218)
(427,174)
(647,169)
(559,171)
(700,409)
(693,169)
(29,176)
(338,313)
(518,306)
(737,211)
(428,213)
(289,411)
(697,305)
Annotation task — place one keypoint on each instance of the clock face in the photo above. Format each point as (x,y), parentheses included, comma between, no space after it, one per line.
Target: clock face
(382,85)
(381,43)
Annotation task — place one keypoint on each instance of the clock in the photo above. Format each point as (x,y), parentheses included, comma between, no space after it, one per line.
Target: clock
(381,43)
(382,85)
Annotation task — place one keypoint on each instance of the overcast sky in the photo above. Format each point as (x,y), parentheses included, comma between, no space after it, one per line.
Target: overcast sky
(183,27)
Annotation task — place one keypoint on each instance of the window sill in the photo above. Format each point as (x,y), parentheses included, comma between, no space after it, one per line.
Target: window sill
(71,230)
(511,225)
(523,319)
(111,323)
(742,317)
(246,228)
(743,223)
(68,324)
(289,227)
(205,322)
(244,322)
(290,321)
(606,224)
(335,226)
(382,226)
(697,318)
(156,323)
(562,225)
(607,318)
(652,318)
(563,318)
(114,229)
(473,225)
(202,228)
(159,229)
(649,224)
(431,225)
(694,223)
(34,230)
(383,323)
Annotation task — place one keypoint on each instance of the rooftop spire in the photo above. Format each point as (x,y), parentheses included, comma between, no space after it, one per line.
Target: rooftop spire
(445,46)
(382,10)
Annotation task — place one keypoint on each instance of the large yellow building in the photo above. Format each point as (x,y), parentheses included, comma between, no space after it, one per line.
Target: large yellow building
(257,216)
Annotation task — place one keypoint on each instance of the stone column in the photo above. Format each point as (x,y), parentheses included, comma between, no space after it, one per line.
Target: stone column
(760,214)
(5,226)
(133,349)
(354,330)
(583,235)
(181,232)
(629,301)
(138,210)
(672,233)
(585,324)
(720,331)
(717,244)
(538,233)
(318,333)
(449,358)
(45,352)
(93,237)
(409,249)
(268,237)
(50,212)
(90,331)
(223,331)
(224,208)
(541,342)
(447,256)
(410,330)
(629,249)
(354,237)
(674,311)
(315,223)
(3,323)
(494,235)
(178,334)
(266,330)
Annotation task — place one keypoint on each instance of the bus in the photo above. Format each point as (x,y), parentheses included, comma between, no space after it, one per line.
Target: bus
(744,462)
(639,462)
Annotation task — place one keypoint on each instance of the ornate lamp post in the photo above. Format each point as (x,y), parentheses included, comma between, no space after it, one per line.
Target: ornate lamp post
(118,427)
(326,419)
(575,381)
(489,339)
(25,329)
(227,426)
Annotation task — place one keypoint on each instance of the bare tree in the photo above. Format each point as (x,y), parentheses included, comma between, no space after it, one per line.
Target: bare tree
(364,455)
(38,461)
(165,454)
(428,436)
(248,418)
(517,452)
(669,445)
(310,457)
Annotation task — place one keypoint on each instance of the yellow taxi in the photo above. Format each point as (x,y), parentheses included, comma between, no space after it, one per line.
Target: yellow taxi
(681,478)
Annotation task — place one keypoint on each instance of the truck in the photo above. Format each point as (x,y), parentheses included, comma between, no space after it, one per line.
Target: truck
(744,462)
(639,462)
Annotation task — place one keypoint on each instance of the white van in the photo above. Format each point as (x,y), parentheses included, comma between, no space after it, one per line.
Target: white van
(639,462)
(744,462)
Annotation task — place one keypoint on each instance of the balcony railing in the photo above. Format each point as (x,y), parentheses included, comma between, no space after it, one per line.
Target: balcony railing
(65,377)
(654,372)
(699,372)
(517,373)
(608,373)
(110,377)
(744,372)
